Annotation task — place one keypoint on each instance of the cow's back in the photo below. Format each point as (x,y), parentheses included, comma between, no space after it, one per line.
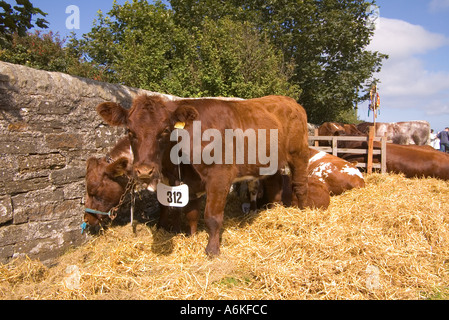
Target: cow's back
(338,174)
(414,132)
(404,132)
(279,113)
(417,161)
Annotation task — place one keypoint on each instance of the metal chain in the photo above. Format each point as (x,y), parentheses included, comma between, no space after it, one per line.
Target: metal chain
(131,183)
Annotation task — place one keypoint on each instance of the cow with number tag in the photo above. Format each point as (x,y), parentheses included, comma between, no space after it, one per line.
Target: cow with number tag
(108,177)
(151,118)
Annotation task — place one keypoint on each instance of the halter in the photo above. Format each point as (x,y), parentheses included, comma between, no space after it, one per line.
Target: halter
(109,213)
(112,214)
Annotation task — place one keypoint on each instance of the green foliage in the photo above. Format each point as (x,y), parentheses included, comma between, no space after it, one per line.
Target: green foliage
(326,39)
(141,46)
(18,19)
(347,116)
(46,51)
(242,63)
(311,50)
(36,50)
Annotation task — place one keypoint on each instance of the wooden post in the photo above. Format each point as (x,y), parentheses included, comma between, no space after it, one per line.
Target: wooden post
(316,144)
(383,157)
(334,146)
(369,164)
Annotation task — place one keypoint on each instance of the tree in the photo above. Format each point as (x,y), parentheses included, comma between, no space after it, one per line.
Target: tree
(47,51)
(326,39)
(242,62)
(18,19)
(36,50)
(141,45)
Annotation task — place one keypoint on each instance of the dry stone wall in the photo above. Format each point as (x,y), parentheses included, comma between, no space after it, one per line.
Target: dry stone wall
(48,129)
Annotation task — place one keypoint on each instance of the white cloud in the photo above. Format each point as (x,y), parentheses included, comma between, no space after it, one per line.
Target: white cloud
(408,76)
(438,108)
(405,81)
(399,39)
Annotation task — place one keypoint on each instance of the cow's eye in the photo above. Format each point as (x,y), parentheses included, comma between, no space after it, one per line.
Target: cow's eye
(161,137)
(164,134)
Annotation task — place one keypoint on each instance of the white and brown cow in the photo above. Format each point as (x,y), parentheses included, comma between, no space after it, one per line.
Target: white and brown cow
(328,175)
(339,175)
(404,132)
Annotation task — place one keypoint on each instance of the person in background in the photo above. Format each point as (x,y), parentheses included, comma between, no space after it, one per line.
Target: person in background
(444,139)
(434,141)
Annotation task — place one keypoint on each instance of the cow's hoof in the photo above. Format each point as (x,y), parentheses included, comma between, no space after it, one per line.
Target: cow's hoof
(212,252)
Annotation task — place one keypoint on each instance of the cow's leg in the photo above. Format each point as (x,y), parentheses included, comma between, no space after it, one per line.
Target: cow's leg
(192,212)
(253,190)
(170,219)
(298,167)
(287,198)
(273,189)
(217,190)
(163,218)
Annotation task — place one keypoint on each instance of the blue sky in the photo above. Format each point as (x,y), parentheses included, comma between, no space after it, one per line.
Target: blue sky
(414,82)
(415,79)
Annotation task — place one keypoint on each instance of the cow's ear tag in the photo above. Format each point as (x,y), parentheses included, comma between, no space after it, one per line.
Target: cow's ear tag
(173,196)
(180,125)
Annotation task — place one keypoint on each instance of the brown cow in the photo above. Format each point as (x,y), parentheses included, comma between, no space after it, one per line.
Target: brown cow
(339,129)
(331,129)
(170,218)
(106,181)
(150,118)
(411,160)
(318,196)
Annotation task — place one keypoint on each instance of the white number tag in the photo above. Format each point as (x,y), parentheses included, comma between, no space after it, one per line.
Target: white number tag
(173,196)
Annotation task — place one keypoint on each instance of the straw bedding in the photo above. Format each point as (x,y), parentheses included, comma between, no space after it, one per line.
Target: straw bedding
(389,240)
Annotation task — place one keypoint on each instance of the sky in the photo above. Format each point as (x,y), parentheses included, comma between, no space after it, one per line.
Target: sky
(414,81)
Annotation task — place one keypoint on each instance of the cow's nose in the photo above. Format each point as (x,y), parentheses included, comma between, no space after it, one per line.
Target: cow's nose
(144,171)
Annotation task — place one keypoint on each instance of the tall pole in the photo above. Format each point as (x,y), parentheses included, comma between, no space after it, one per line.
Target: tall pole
(374,105)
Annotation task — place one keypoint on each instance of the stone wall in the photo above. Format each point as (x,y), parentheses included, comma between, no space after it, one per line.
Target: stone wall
(48,129)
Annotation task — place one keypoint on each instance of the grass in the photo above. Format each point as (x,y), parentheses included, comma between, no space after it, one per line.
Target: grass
(389,240)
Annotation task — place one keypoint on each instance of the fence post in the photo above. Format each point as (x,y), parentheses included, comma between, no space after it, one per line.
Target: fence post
(334,146)
(369,164)
(383,156)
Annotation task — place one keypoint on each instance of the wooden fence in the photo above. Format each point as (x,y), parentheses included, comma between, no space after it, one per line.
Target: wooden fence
(335,150)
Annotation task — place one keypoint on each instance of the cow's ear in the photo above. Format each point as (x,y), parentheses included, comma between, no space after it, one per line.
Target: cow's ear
(113,113)
(185,113)
(90,163)
(117,168)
